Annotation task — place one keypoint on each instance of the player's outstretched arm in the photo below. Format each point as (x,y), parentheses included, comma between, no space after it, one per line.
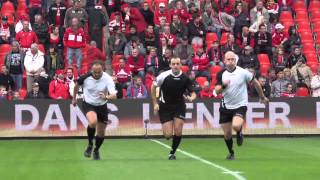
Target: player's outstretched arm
(263,98)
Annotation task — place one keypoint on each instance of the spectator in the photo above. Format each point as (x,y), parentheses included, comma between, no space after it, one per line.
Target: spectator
(184,51)
(96,21)
(117,22)
(272,76)
(293,58)
(70,80)
(163,47)
(118,87)
(150,38)
(26,37)
(263,42)
(152,62)
(259,10)
(147,14)
(14,62)
(6,31)
(35,93)
(231,45)
(74,40)
(221,22)
(280,85)
(35,7)
(94,53)
(123,73)
(56,38)
(136,63)
(132,32)
(302,73)
(3,93)
(285,5)
(193,7)
(44,81)
(315,84)
(255,26)
(134,17)
(33,62)
(53,61)
(112,6)
(136,89)
(117,42)
(162,13)
(76,11)
(249,60)
(165,60)
(293,41)
(170,38)
(135,43)
(289,91)
(181,12)
(245,38)
(265,87)
(40,27)
(289,77)
(200,63)
(5,79)
(19,24)
(280,59)
(149,79)
(177,28)
(241,18)
(56,14)
(206,92)
(278,37)
(214,55)
(59,88)
(195,85)
(16,96)
(196,29)
(273,10)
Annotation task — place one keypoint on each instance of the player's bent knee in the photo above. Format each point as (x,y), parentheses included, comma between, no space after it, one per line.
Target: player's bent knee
(236,127)
(168,136)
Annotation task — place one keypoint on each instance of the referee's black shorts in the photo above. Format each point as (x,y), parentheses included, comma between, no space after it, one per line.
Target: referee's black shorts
(226,115)
(101,111)
(168,112)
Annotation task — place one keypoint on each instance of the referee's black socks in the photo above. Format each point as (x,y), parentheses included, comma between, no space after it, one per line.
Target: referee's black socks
(229,143)
(175,143)
(99,141)
(91,132)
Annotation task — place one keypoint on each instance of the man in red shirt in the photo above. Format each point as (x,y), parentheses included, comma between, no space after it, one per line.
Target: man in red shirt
(95,53)
(206,92)
(123,73)
(26,37)
(278,37)
(136,63)
(74,39)
(162,13)
(200,63)
(170,38)
(59,88)
(35,8)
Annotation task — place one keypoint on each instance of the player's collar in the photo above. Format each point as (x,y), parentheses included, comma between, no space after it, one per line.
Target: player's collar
(176,75)
(231,70)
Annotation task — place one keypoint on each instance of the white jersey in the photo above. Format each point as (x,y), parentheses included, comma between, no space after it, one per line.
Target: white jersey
(93,87)
(235,94)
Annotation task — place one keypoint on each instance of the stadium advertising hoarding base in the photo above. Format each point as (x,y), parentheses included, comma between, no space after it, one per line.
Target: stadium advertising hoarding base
(42,118)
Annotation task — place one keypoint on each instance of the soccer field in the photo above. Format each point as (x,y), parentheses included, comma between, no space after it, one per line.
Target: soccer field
(137,159)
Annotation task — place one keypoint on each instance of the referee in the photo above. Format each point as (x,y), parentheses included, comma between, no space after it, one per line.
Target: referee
(173,85)
(232,83)
(98,88)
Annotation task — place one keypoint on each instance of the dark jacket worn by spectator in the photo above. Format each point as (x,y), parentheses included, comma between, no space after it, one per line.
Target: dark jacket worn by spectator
(56,14)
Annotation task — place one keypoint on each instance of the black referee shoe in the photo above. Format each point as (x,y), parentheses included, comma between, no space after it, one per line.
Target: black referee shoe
(87,153)
(239,138)
(172,157)
(96,155)
(230,156)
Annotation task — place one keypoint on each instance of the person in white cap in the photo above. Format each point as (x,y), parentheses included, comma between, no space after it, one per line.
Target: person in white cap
(162,13)
(278,36)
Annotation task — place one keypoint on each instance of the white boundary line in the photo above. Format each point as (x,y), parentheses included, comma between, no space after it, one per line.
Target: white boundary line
(224,170)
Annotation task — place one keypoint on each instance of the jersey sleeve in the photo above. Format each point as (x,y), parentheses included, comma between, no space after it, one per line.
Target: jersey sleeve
(81,79)
(219,77)
(248,76)
(160,78)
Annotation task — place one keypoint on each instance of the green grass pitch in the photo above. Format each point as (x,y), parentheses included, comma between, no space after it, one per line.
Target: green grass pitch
(143,159)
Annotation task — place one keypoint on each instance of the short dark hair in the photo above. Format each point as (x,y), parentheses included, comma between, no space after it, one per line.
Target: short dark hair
(71,68)
(98,62)
(262,25)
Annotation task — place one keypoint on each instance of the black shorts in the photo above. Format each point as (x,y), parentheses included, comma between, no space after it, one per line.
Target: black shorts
(101,111)
(226,115)
(168,112)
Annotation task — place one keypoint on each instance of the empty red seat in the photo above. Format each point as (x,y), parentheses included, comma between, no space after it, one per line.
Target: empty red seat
(311,57)
(314,6)
(263,58)
(185,69)
(7,7)
(314,68)
(285,16)
(302,92)
(224,38)
(201,80)
(215,69)
(264,69)
(299,5)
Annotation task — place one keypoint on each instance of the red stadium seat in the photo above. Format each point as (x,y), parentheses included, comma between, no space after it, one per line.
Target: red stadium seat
(263,58)
(7,7)
(299,5)
(224,38)
(215,69)
(314,68)
(311,58)
(211,37)
(264,69)
(23,93)
(304,26)
(285,16)
(201,80)
(314,6)
(10,17)
(303,15)
(302,92)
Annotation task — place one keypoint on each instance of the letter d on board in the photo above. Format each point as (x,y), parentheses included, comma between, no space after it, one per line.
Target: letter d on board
(19,108)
